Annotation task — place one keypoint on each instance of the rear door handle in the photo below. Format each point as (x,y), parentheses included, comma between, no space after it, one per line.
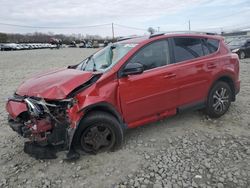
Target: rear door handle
(211,66)
(169,75)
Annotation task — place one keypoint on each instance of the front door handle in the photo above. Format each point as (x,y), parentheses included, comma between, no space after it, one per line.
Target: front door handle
(169,75)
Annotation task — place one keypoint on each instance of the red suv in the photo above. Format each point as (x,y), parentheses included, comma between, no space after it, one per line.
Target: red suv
(124,85)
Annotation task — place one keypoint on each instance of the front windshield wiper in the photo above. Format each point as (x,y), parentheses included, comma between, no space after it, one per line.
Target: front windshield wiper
(86,62)
(94,65)
(80,65)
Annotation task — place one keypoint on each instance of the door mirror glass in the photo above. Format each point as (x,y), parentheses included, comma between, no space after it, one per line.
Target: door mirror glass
(132,68)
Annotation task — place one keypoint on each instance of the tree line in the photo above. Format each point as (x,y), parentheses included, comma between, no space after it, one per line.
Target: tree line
(46,37)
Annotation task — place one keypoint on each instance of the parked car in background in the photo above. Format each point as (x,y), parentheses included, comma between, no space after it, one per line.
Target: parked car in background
(124,85)
(72,44)
(241,46)
(29,46)
(19,47)
(53,46)
(25,46)
(105,43)
(82,44)
(9,47)
(95,44)
(89,44)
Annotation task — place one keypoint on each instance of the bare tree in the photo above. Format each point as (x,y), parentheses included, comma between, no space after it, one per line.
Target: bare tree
(45,37)
(151,30)
(3,37)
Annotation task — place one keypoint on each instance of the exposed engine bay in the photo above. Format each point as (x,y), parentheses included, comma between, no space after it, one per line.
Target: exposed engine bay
(48,116)
(46,124)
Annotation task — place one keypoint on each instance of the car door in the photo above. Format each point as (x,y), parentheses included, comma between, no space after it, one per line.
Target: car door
(248,48)
(193,70)
(145,96)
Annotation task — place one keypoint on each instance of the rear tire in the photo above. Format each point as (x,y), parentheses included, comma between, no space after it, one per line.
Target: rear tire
(99,132)
(219,100)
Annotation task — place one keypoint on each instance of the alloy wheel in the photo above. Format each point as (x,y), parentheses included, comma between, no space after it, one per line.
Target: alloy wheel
(221,100)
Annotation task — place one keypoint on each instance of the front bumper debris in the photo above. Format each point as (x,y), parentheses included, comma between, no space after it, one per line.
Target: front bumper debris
(47,125)
(40,152)
(15,126)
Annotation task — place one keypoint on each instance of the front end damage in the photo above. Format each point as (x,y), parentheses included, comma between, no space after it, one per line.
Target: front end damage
(48,124)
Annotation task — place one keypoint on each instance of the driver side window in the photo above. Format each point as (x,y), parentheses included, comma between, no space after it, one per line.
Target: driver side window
(153,55)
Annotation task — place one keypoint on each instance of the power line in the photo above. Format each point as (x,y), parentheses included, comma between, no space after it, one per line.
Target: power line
(114,25)
(129,27)
(51,27)
(71,27)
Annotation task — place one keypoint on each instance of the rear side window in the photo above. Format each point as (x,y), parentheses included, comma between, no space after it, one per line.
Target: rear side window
(212,44)
(187,48)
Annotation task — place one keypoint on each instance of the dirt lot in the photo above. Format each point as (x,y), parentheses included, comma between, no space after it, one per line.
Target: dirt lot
(187,150)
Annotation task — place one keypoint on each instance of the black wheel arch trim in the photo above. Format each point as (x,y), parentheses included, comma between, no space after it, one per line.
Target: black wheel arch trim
(228,79)
(100,106)
(106,107)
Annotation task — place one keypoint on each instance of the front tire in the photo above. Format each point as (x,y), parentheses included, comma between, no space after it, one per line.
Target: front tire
(219,100)
(100,132)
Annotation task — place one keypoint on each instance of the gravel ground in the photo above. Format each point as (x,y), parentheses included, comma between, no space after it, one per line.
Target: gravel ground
(187,150)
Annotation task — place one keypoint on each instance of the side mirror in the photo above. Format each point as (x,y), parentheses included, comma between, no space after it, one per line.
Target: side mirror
(132,68)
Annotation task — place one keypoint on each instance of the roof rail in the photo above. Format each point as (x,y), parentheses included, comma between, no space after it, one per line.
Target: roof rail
(126,38)
(157,34)
(181,32)
(192,32)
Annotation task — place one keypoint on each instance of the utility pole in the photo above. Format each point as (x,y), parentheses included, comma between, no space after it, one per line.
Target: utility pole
(158,29)
(113,33)
(221,30)
(189,25)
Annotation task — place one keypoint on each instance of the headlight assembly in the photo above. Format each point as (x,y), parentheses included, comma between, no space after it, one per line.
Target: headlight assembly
(235,50)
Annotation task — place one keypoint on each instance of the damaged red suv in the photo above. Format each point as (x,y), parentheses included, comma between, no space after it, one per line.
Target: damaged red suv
(124,85)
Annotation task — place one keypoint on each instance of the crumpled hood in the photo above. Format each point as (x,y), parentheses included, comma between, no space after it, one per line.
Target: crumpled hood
(55,84)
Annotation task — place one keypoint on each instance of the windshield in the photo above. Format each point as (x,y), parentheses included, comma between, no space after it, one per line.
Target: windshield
(106,58)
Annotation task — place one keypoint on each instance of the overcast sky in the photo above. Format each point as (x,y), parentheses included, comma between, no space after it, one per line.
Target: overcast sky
(69,16)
